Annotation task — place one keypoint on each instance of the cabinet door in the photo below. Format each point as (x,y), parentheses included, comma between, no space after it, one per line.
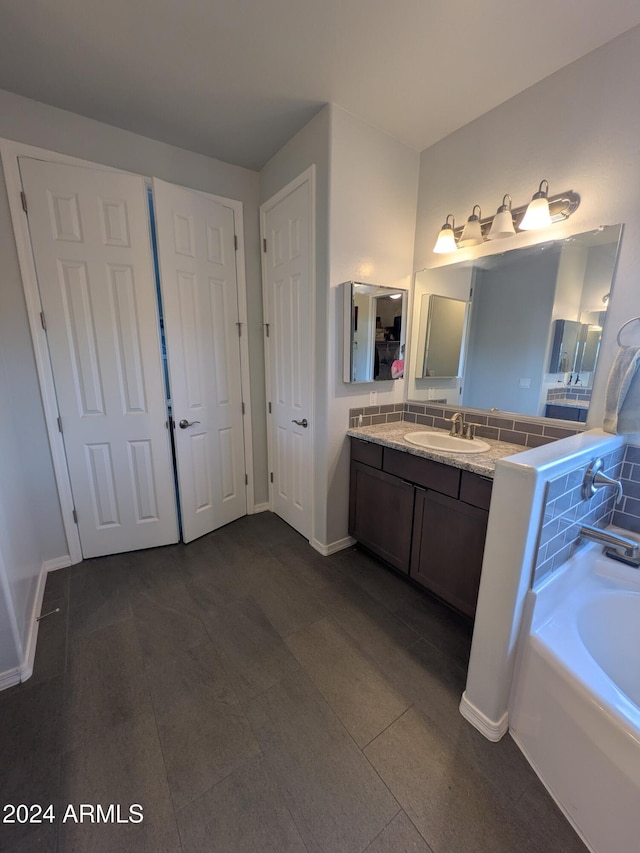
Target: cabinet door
(381,514)
(448,545)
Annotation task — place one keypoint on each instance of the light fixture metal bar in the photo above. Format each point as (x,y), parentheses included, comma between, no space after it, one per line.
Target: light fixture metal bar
(561,206)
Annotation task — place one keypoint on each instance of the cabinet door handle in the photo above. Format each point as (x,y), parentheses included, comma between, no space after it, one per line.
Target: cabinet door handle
(413,485)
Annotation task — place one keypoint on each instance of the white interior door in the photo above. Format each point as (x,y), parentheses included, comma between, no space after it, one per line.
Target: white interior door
(92,251)
(196,249)
(288,291)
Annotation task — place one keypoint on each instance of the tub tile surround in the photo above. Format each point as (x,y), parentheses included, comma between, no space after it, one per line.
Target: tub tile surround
(512,429)
(565,510)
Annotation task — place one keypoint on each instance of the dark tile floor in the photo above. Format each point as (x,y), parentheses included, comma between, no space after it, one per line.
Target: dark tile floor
(252,695)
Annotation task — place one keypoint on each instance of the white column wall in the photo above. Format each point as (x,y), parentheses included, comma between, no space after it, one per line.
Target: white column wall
(372,209)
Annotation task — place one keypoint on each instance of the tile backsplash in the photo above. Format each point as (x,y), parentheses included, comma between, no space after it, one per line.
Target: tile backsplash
(571,393)
(565,509)
(627,513)
(511,428)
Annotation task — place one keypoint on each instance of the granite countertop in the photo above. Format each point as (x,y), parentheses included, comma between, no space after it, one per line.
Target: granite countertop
(576,404)
(392,435)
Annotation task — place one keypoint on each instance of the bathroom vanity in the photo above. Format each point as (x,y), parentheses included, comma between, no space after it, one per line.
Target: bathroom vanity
(422,512)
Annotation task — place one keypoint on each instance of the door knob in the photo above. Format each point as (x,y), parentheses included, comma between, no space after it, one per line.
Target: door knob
(185,423)
(303,423)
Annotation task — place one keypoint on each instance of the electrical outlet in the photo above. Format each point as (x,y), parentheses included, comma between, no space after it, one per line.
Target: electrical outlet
(525,383)
(373,398)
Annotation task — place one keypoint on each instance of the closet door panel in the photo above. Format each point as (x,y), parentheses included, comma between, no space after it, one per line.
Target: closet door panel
(91,244)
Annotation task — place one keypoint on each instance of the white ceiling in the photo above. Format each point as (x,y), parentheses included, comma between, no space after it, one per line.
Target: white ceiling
(234,79)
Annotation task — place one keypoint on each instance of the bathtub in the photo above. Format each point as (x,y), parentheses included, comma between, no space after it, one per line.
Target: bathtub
(575,703)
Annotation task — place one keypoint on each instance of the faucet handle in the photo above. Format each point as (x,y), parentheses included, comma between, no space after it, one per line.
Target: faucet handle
(594,479)
(469,430)
(602,480)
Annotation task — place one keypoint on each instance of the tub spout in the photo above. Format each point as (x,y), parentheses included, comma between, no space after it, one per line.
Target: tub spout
(618,547)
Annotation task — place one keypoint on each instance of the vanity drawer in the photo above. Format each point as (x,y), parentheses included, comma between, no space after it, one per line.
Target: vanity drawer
(366,452)
(475,489)
(423,472)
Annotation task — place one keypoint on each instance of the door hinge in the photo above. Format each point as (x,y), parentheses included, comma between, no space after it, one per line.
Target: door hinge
(59,424)
(470,292)
(75,516)
(239,325)
(23,199)
(264,244)
(235,241)
(271,476)
(43,321)
(243,409)
(269,408)
(246,479)
(266,328)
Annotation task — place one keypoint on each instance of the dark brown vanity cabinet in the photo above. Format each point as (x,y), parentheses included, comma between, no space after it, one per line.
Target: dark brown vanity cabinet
(425,518)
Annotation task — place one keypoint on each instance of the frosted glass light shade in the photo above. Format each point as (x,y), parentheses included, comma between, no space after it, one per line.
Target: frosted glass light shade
(472,231)
(446,241)
(537,215)
(502,225)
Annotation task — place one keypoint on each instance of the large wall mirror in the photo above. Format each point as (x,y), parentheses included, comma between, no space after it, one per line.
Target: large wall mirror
(374,332)
(532,329)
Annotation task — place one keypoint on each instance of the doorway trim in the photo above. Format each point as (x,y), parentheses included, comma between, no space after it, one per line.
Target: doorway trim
(307,176)
(10,151)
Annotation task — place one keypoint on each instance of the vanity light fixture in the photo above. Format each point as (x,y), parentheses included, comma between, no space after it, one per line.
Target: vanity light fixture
(472,233)
(446,241)
(538,215)
(502,225)
(556,207)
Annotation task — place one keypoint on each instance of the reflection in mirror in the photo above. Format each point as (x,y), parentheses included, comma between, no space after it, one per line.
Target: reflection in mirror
(534,328)
(374,332)
(445,325)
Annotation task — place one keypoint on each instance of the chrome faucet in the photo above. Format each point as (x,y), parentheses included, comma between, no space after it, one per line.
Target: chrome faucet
(621,548)
(460,428)
(457,424)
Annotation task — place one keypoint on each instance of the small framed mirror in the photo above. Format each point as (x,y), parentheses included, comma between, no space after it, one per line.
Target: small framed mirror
(374,332)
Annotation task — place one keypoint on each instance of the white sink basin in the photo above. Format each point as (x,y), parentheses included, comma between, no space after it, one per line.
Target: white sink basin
(447,443)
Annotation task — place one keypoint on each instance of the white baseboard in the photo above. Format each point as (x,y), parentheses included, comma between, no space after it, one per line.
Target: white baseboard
(58,563)
(493,730)
(265,507)
(332,547)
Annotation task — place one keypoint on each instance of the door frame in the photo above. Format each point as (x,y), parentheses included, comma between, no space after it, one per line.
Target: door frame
(10,151)
(307,176)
